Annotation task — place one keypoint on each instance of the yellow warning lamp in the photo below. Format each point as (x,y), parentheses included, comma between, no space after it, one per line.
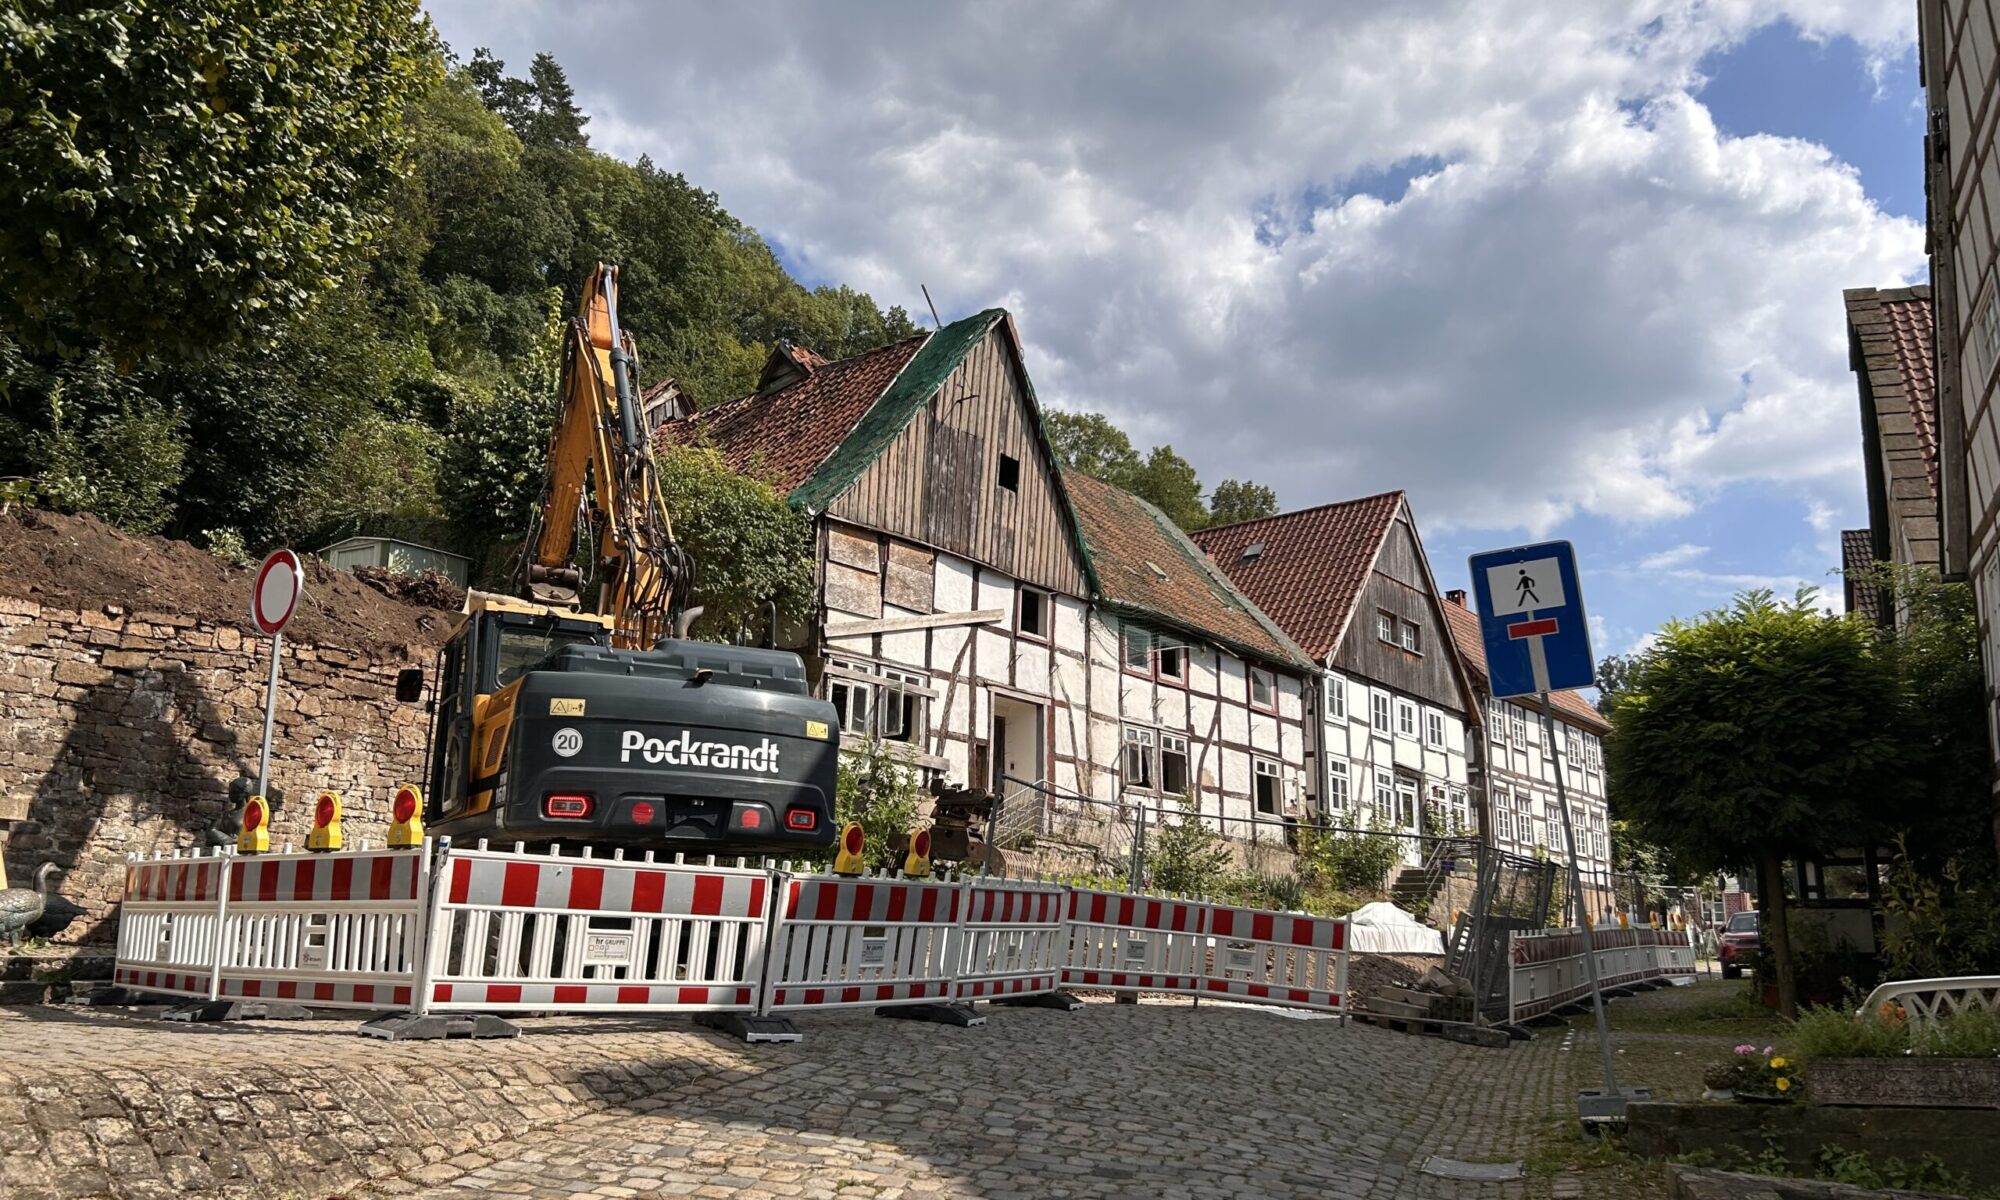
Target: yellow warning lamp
(847,861)
(325,833)
(917,864)
(406,818)
(1624,919)
(256,835)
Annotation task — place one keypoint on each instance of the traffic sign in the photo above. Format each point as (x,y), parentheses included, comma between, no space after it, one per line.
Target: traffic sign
(275,595)
(1531,618)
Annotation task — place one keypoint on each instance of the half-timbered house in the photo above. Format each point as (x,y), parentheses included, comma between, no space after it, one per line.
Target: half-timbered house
(1349,582)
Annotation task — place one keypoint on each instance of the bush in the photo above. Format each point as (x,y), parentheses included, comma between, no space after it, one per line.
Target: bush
(1186,857)
(1350,862)
(877,788)
(1971,1034)
(1825,1031)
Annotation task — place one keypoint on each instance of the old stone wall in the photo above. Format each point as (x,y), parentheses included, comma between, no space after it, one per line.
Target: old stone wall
(122,731)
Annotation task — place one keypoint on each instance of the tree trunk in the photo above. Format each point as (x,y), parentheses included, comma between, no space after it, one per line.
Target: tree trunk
(1777,933)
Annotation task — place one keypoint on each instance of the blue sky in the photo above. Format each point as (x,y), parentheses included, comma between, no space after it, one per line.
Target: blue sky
(1555,269)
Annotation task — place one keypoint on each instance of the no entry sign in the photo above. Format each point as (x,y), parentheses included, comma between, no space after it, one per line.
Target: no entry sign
(275,595)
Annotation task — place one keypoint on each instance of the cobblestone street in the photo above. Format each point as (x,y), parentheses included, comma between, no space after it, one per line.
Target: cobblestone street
(1160,1099)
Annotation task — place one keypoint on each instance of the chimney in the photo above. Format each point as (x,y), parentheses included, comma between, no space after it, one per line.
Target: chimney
(1457,596)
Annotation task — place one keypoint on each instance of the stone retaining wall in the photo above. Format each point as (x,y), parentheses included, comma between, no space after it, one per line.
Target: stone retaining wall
(122,731)
(1962,1139)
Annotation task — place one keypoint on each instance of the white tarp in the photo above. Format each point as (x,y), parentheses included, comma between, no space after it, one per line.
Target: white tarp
(1382,928)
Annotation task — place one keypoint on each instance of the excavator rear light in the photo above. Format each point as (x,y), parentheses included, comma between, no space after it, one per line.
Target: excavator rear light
(748,816)
(570,806)
(802,819)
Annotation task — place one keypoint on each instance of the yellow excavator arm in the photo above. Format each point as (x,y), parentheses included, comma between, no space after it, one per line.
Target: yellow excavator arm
(604,486)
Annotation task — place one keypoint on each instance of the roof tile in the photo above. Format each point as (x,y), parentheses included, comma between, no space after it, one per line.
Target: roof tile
(1311,565)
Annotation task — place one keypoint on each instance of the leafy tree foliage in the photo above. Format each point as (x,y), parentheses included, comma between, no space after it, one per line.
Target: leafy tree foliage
(180,174)
(1754,734)
(1615,673)
(1090,443)
(1238,500)
(747,543)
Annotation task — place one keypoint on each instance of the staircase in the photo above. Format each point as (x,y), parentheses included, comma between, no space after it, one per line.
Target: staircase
(1416,887)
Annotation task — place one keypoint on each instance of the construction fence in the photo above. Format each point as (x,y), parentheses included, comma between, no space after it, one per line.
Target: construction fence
(446,929)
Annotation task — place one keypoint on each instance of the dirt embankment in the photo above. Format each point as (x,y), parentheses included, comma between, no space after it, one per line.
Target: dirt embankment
(79,562)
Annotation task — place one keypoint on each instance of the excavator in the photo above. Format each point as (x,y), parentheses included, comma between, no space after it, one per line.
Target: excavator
(579,710)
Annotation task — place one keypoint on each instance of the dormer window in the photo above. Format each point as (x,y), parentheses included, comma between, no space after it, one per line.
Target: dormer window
(1253,552)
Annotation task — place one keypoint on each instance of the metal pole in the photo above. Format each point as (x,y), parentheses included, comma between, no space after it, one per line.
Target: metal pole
(1138,848)
(270,712)
(1576,891)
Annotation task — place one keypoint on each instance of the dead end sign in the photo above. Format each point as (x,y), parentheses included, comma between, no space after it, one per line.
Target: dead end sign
(1532,621)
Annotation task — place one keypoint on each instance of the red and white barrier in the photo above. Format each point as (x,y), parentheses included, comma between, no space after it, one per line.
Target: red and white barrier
(841,942)
(170,925)
(1131,943)
(1548,970)
(514,932)
(333,930)
(1012,940)
(1277,958)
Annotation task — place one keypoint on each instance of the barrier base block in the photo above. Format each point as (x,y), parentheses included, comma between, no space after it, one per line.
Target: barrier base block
(1595,1106)
(751,1028)
(1057,999)
(409,1027)
(238,1010)
(964,1016)
(1492,1037)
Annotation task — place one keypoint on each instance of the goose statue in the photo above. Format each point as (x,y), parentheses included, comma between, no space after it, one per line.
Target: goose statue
(23,907)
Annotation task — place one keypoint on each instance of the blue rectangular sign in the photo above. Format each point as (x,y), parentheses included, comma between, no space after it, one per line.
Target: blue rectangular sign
(1531,617)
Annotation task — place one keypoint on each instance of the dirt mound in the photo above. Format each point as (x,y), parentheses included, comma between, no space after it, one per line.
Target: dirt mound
(80,562)
(432,589)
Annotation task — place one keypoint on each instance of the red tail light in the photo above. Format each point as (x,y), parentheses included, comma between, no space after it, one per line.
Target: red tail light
(802,818)
(642,813)
(750,818)
(566,806)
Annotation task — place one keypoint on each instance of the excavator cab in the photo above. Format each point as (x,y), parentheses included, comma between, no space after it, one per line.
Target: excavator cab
(544,731)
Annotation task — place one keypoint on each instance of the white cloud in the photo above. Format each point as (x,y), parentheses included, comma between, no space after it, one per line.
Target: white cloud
(1588,300)
(1677,556)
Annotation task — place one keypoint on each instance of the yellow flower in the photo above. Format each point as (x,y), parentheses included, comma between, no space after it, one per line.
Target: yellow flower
(1777,1063)
(1784,1085)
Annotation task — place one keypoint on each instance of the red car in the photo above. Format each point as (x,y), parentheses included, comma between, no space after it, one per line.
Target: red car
(1738,944)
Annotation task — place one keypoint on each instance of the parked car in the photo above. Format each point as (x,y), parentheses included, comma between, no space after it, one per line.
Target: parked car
(1738,944)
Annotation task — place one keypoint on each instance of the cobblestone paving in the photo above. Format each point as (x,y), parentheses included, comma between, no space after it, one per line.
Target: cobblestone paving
(1161,1099)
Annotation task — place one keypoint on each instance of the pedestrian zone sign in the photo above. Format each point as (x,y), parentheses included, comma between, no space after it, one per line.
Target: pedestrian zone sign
(1531,619)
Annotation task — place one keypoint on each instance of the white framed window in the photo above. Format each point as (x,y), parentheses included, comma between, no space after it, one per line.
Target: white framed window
(1138,648)
(873,700)
(1337,797)
(1267,787)
(1406,718)
(1412,637)
(1170,660)
(1461,808)
(1173,764)
(899,710)
(1036,613)
(1517,725)
(1385,626)
(853,704)
(1496,714)
(1139,749)
(1385,797)
(1434,729)
(1335,690)
(1263,689)
(1503,814)
(1378,711)
(1573,747)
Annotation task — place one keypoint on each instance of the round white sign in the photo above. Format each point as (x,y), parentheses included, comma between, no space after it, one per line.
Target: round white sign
(275,595)
(567,741)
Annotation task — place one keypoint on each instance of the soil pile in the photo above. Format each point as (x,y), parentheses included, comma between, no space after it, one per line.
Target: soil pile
(79,562)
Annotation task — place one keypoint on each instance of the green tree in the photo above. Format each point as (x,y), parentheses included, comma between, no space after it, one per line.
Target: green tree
(1616,675)
(747,543)
(1240,500)
(180,174)
(1090,443)
(1168,482)
(1185,856)
(1754,734)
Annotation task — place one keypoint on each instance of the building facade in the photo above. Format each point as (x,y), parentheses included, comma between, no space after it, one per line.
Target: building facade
(1000,624)
(1957,48)
(1349,582)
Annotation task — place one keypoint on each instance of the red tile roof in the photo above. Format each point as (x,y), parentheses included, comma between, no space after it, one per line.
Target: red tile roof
(1893,330)
(1127,538)
(1569,707)
(785,434)
(1312,565)
(1857,556)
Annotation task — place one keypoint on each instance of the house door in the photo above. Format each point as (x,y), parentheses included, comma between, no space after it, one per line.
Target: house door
(1406,820)
(1017,767)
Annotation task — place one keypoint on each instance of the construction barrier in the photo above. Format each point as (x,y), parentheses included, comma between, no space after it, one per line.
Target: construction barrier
(170,925)
(1012,940)
(1277,958)
(336,931)
(841,942)
(1548,970)
(514,932)
(1131,943)
(447,929)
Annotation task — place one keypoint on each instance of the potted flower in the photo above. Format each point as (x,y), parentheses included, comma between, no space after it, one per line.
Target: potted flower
(1769,1077)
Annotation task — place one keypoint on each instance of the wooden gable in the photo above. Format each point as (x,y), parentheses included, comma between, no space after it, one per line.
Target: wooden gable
(944,481)
(1399,585)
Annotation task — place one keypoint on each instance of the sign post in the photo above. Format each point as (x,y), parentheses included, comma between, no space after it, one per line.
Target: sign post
(1537,641)
(273,599)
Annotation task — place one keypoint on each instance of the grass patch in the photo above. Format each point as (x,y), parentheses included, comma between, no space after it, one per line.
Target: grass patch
(1730,1009)
(1562,1148)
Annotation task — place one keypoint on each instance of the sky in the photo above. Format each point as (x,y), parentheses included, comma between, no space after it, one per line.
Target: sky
(1557,270)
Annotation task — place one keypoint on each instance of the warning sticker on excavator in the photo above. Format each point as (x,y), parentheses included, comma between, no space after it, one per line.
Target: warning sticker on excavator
(817,729)
(560,706)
